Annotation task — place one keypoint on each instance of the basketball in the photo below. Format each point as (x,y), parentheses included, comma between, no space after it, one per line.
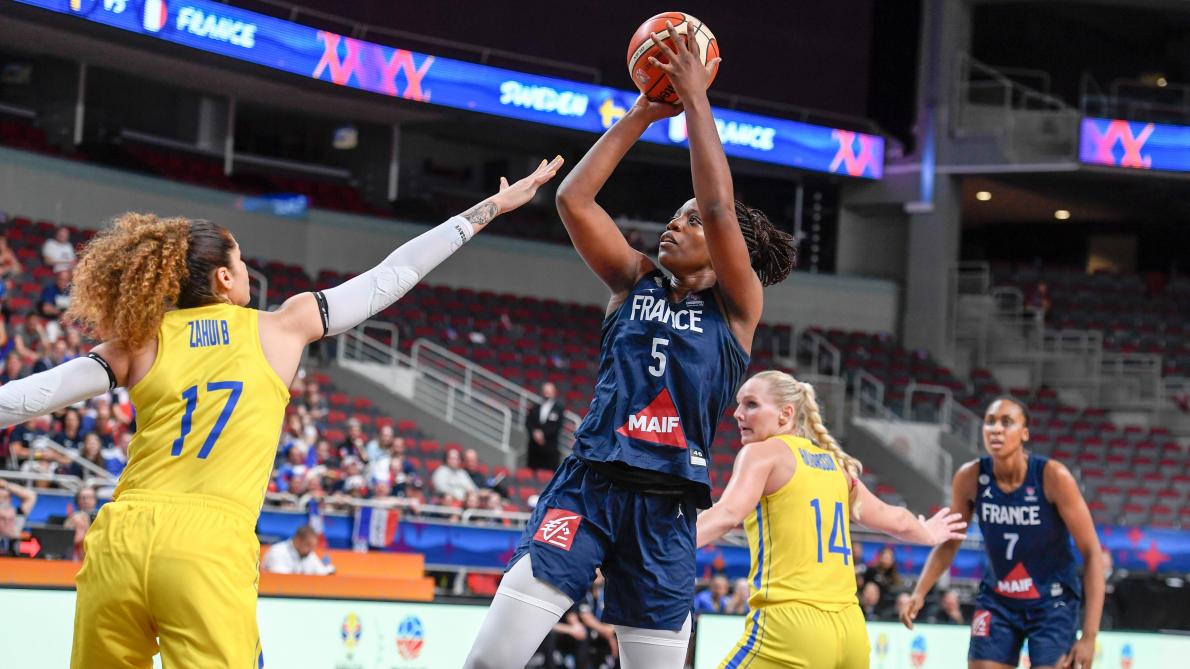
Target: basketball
(649,78)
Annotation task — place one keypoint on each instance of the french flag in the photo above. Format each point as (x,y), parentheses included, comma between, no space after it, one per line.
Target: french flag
(375,527)
(316,523)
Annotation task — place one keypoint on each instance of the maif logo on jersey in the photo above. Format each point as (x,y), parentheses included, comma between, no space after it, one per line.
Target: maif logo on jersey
(657,423)
(1017,585)
(558,528)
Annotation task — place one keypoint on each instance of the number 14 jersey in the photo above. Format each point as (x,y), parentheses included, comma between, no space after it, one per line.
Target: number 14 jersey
(209,411)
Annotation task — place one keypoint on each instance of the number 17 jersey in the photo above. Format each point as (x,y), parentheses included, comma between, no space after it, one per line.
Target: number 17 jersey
(209,411)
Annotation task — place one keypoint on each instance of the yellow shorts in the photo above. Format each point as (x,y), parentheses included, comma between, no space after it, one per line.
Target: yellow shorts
(175,573)
(803,637)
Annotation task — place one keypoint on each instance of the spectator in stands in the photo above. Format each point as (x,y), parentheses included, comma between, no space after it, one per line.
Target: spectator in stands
(85,500)
(25,498)
(569,639)
(491,485)
(100,420)
(884,572)
(317,406)
(9,265)
(71,433)
(30,338)
(740,592)
(602,636)
(296,555)
(947,612)
(355,442)
(80,522)
(10,537)
(378,448)
(14,368)
(294,468)
(115,457)
(543,422)
(351,480)
(393,464)
(56,354)
(1112,576)
(869,599)
(91,451)
(714,599)
(58,253)
(55,297)
(451,480)
(861,567)
(1039,298)
(329,457)
(381,490)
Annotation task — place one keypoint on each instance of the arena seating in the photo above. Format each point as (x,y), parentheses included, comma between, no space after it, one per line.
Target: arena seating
(1136,313)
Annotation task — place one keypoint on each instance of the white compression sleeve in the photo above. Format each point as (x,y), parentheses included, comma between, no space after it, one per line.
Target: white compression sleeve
(45,392)
(356,300)
(653,649)
(523,612)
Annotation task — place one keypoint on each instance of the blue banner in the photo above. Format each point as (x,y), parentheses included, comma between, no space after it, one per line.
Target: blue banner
(1143,146)
(288,205)
(318,54)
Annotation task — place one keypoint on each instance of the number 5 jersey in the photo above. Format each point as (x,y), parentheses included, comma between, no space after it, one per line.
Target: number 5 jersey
(667,372)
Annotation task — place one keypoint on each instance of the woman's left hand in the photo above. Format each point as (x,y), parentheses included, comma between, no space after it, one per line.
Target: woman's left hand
(686,71)
(944,526)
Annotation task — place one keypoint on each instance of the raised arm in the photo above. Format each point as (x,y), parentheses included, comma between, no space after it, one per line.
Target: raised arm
(899,522)
(1062,490)
(595,235)
(307,317)
(713,192)
(749,476)
(962,496)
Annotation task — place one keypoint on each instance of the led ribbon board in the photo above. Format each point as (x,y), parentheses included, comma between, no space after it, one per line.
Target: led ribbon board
(326,56)
(1144,146)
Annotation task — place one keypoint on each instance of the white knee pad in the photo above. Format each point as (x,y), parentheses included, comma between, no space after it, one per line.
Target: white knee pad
(522,613)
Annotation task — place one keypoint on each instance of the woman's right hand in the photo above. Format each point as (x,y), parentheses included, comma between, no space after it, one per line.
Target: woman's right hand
(651,111)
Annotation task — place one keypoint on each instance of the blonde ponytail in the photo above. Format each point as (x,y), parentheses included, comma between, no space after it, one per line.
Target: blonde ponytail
(808,423)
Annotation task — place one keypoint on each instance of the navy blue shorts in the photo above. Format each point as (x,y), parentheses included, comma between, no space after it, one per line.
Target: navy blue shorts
(998,632)
(643,543)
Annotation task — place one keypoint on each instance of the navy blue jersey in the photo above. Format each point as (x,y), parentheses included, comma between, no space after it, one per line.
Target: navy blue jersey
(667,371)
(1030,560)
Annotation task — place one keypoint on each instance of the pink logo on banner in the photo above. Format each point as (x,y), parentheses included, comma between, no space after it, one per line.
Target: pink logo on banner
(846,157)
(372,70)
(1102,144)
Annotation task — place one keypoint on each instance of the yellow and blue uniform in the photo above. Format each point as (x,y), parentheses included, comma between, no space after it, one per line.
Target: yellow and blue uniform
(804,610)
(174,556)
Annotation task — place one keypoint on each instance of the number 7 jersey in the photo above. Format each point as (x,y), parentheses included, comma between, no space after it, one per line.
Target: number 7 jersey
(209,411)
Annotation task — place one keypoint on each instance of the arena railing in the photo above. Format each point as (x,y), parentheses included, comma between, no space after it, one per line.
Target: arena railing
(822,351)
(868,402)
(96,471)
(66,481)
(473,377)
(262,292)
(487,419)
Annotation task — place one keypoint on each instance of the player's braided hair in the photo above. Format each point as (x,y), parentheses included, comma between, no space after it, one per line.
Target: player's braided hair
(771,252)
(131,273)
(808,422)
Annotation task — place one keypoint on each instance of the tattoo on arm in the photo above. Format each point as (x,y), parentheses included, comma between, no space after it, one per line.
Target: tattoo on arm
(481,214)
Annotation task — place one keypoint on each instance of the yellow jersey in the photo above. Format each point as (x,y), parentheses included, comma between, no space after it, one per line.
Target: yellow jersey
(209,411)
(800,536)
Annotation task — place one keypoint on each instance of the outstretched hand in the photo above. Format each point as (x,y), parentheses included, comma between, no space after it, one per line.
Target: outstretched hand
(513,196)
(944,526)
(685,68)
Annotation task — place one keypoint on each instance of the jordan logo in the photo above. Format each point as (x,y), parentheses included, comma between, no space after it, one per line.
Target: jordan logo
(1017,585)
(657,423)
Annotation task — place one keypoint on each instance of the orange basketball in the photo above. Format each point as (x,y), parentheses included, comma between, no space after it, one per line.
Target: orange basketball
(650,79)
